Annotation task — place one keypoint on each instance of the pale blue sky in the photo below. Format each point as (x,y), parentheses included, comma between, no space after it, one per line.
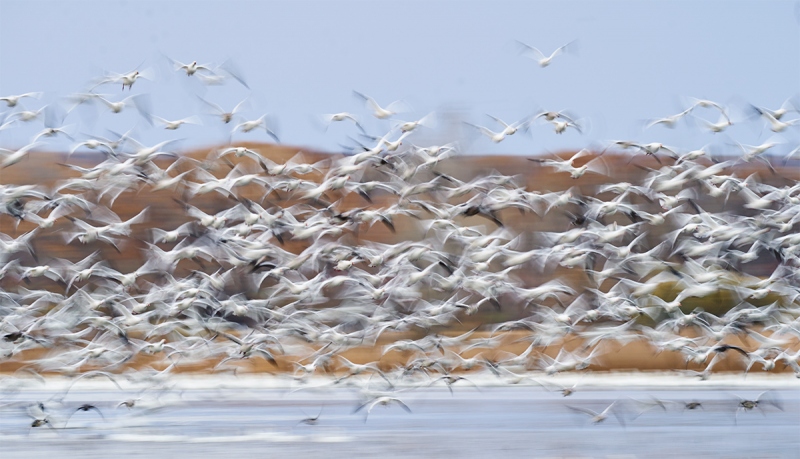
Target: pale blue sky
(635,61)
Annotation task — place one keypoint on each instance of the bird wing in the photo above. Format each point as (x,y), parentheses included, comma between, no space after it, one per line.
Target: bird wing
(361,406)
(212,105)
(369,100)
(530,49)
(498,120)
(234,71)
(485,131)
(403,405)
(582,410)
(230,337)
(239,105)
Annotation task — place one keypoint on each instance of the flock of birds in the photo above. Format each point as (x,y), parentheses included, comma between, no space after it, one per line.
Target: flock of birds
(289,271)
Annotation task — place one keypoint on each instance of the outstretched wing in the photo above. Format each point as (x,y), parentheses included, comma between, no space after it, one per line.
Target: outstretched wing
(526,48)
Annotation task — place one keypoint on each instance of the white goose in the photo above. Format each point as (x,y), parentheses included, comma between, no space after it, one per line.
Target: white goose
(775,124)
(669,121)
(511,129)
(13,157)
(190,68)
(341,116)
(12,101)
(596,417)
(250,125)
(226,116)
(173,125)
(411,125)
(384,401)
(129,79)
(378,111)
(139,101)
(495,137)
(540,58)
(126,79)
